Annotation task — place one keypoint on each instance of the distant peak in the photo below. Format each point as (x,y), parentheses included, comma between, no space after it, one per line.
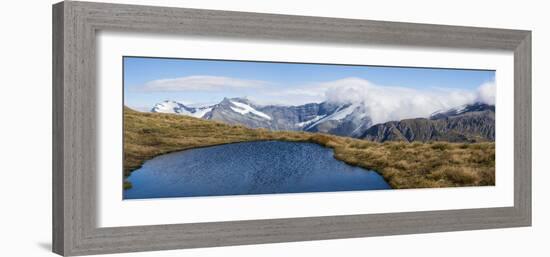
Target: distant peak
(239,98)
(168,103)
(466,108)
(243,100)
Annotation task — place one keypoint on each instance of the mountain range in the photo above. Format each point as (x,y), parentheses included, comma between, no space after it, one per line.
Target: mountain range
(468,123)
(344,119)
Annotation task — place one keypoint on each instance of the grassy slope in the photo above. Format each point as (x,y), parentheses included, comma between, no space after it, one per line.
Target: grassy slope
(403,165)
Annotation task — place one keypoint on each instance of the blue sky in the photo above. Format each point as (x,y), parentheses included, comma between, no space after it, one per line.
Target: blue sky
(151,80)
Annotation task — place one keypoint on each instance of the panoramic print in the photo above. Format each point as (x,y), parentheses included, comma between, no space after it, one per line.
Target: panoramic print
(197,127)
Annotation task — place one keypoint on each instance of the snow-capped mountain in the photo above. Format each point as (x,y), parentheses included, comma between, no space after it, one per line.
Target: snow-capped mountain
(240,111)
(179,108)
(467,108)
(343,119)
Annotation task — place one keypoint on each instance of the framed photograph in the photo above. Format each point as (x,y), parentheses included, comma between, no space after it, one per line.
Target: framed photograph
(183,128)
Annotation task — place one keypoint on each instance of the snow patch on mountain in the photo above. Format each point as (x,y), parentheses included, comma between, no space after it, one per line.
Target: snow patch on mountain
(475,107)
(200,112)
(166,107)
(180,109)
(341,113)
(305,123)
(461,109)
(453,111)
(245,109)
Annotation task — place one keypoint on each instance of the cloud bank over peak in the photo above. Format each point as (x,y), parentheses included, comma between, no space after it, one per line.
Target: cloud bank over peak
(382,103)
(387,103)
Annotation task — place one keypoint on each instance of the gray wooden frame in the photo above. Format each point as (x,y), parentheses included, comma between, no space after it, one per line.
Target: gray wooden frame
(74,126)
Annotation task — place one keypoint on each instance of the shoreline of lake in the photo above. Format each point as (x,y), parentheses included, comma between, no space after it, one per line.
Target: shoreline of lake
(250,168)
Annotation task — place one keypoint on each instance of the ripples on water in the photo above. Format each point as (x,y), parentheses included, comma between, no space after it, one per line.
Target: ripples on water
(266,167)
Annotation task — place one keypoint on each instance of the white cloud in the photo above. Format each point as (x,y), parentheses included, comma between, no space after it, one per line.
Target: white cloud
(384,103)
(486,93)
(201,83)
